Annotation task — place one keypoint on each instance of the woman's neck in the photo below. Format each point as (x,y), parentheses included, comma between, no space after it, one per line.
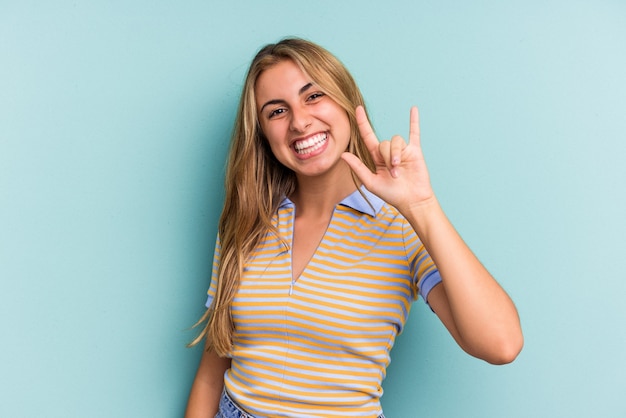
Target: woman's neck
(318,196)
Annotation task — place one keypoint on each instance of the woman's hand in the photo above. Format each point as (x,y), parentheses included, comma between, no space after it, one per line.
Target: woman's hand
(401,178)
(476,310)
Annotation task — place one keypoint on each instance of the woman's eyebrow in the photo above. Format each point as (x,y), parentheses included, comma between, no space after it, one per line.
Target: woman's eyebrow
(272,102)
(280,101)
(305,88)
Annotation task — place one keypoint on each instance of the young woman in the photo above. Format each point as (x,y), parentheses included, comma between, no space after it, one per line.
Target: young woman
(326,237)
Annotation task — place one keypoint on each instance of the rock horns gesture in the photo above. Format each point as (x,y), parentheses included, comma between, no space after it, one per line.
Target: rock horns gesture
(401,177)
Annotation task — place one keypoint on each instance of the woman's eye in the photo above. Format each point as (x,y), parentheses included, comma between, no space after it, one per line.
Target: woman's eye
(276,112)
(315,96)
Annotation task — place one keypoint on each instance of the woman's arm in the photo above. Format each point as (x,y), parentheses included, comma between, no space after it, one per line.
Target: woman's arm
(474,308)
(471,304)
(208,384)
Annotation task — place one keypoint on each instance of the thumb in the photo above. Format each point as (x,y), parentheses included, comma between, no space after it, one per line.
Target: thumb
(362,172)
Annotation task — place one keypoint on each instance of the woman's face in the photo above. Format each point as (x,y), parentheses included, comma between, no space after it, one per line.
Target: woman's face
(306,129)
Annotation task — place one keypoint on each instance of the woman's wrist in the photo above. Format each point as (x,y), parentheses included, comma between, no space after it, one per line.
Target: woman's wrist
(426,217)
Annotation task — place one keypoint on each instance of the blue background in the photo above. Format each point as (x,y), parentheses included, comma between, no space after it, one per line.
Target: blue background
(114,123)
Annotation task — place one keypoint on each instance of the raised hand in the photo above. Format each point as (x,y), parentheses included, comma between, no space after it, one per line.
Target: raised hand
(401,178)
(474,308)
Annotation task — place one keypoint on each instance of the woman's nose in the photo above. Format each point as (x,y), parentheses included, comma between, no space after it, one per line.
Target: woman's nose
(300,119)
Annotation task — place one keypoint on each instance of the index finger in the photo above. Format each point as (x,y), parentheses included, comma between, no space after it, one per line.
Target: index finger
(369,137)
(414,126)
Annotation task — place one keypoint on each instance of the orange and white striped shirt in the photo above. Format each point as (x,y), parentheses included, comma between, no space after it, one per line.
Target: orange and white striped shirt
(319,346)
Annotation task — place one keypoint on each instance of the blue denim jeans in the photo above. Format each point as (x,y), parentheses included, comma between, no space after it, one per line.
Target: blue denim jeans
(229,409)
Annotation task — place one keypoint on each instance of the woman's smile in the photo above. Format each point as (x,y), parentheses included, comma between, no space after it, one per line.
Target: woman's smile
(311,146)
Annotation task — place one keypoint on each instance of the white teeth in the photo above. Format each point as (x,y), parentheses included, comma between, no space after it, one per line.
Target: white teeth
(309,145)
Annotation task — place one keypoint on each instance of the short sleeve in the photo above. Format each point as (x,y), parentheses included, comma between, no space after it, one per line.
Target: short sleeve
(216,261)
(423,269)
(428,283)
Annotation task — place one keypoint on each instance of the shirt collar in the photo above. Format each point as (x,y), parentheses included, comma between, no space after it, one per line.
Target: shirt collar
(367,203)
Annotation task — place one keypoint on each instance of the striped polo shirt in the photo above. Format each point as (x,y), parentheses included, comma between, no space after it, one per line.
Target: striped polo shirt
(319,346)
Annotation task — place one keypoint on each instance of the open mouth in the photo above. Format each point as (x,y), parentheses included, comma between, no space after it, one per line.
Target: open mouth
(309,145)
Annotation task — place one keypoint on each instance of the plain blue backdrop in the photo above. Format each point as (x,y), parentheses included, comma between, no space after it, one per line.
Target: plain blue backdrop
(114,125)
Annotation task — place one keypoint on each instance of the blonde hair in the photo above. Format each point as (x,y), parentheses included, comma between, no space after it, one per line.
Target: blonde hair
(256,182)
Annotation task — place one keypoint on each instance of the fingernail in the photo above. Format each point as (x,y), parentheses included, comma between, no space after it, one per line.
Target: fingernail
(394,172)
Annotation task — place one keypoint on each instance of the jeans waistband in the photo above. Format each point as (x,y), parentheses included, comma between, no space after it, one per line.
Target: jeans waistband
(229,409)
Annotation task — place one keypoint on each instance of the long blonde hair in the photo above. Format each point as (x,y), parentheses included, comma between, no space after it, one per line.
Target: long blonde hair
(256,182)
